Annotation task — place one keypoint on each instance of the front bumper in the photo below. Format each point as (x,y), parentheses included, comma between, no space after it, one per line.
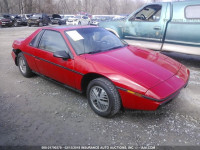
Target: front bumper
(33,22)
(72,23)
(145,102)
(6,23)
(54,21)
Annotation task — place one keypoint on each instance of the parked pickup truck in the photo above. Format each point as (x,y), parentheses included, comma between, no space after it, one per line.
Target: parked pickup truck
(167,26)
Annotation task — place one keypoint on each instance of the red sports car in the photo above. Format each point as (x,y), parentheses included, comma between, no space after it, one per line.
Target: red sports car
(94,61)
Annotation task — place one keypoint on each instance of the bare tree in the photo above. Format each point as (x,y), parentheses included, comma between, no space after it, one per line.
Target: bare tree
(71,6)
(6,6)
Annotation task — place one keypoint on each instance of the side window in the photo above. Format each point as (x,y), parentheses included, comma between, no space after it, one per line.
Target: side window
(192,12)
(84,17)
(53,41)
(36,39)
(149,13)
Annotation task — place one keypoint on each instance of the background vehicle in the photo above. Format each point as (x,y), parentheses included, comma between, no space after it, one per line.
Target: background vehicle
(18,20)
(65,18)
(96,19)
(78,20)
(111,73)
(55,18)
(38,19)
(162,26)
(25,18)
(5,21)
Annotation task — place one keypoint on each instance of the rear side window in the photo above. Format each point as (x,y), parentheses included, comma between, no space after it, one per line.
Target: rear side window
(53,41)
(192,12)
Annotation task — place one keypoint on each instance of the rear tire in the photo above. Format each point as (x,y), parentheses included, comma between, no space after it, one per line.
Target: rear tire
(103,97)
(23,66)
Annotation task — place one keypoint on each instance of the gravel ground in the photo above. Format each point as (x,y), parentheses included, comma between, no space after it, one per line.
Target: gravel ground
(35,111)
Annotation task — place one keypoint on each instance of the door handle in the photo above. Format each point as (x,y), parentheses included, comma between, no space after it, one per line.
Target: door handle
(157,28)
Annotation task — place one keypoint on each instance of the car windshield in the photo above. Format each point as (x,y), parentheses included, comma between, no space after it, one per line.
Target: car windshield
(93,40)
(17,17)
(37,16)
(77,17)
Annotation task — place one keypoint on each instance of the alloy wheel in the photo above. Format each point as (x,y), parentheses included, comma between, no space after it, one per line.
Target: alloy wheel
(22,65)
(99,98)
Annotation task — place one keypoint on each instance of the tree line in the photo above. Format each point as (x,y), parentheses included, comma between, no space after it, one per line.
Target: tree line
(107,7)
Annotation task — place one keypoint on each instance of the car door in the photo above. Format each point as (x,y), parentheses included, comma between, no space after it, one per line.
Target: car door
(50,66)
(147,26)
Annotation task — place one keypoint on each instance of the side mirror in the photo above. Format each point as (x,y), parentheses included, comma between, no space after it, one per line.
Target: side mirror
(61,54)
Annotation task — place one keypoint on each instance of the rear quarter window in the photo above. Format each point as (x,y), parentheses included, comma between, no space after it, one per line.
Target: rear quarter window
(35,40)
(192,12)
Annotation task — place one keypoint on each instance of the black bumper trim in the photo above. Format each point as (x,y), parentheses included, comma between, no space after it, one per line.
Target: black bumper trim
(170,97)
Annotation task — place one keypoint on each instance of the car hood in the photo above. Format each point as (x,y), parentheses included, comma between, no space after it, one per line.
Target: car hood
(5,20)
(147,68)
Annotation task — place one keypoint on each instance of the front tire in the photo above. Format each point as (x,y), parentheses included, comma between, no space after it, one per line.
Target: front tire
(40,24)
(15,24)
(23,66)
(103,97)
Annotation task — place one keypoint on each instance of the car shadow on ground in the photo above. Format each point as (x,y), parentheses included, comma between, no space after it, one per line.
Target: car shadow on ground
(144,114)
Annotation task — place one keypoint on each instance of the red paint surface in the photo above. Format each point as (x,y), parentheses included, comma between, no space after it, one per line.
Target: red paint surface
(143,71)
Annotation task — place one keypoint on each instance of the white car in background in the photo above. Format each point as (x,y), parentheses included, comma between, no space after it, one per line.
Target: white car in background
(78,20)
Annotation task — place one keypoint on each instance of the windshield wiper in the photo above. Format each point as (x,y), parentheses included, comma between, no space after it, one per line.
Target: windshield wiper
(97,51)
(93,52)
(116,47)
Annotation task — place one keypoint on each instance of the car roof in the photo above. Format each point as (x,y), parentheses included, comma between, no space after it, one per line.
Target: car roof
(65,28)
